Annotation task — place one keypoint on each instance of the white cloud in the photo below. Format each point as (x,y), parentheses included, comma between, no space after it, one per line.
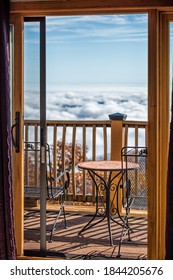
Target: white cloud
(107,27)
(100,26)
(71,21)
(85,103)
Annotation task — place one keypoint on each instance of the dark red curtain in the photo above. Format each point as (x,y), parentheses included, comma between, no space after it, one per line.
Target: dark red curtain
(169,206)
(7,240)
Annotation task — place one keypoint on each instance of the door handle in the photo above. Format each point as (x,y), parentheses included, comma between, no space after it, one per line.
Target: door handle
(16,126)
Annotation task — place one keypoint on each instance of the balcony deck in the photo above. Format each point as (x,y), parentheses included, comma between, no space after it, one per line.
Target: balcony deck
(95,242)
(63,137)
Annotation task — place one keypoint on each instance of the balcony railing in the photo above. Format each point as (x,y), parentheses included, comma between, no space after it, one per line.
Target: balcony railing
(75,141)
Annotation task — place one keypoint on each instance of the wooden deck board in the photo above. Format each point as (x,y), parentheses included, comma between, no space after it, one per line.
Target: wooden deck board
(95,242)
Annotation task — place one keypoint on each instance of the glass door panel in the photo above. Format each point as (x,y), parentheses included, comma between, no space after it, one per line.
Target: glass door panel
(35,134)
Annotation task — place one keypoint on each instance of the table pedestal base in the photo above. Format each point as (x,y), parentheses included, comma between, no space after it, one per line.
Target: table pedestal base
(109,213)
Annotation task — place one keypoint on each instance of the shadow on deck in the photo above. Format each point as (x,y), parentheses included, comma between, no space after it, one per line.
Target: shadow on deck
(93,245)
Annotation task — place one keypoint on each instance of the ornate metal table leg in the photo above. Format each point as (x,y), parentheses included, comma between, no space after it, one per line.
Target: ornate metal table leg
(90,224)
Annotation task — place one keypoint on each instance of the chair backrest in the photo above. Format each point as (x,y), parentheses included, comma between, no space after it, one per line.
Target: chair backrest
(135,180)
(55,186)
(31,163)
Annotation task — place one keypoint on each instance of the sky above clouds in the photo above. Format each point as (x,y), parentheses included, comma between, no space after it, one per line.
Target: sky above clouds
(89,49)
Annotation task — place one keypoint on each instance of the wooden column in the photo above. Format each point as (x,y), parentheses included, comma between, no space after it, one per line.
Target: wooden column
(158,123)
(153,134)
(164,121)
(18,175)
(117,142)
(117,135)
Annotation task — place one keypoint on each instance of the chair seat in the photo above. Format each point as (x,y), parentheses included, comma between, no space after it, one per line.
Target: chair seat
(139,203)
(34,191)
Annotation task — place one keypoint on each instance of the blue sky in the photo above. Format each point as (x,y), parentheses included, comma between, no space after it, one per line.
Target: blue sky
(89,49)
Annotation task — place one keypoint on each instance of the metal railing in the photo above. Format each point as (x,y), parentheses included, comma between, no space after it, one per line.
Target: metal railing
(75,141)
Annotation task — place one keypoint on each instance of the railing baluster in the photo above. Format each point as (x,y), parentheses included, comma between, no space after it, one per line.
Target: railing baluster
(105,147)
(136,160)
(63,148)
(136,135)
(55,152)
(93,158)
(84,159)
(94,142)
(126,135)
(26,160)
(146,135)
(73,161)
(105,141)
(36,173)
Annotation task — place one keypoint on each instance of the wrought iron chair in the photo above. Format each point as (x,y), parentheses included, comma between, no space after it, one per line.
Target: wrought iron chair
(57,188)
(134,185)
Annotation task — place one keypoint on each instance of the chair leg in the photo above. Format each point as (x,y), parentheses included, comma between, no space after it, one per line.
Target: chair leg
(125,229)
(55,222)
(65,221)
(120,242)
(128,230)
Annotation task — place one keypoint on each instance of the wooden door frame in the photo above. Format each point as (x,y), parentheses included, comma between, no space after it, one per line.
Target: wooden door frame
(158,132)
(18,101)
(158,120)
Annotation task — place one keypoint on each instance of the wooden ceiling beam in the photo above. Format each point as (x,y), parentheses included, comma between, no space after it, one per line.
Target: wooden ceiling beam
(88,6)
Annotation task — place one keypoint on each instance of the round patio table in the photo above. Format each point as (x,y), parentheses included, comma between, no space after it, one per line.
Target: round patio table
(113,182)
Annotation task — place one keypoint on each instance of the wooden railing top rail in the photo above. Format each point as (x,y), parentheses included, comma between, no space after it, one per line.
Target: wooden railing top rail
(140,124)
(85,122)
(79,123)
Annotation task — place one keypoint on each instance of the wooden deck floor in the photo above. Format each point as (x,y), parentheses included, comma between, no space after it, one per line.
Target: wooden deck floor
(95,242)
